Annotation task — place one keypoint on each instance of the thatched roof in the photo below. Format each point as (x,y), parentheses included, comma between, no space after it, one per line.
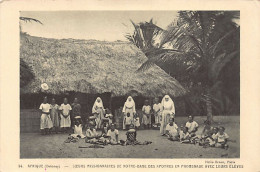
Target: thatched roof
(91,66)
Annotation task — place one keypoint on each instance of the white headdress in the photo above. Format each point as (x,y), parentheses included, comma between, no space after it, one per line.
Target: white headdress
(97,104)
(130,103)
(167,104)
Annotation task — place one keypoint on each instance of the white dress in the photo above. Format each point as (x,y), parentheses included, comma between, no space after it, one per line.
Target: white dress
(45,119)
(65,122)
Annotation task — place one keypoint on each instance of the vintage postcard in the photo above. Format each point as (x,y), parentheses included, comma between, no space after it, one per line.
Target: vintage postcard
(129,85)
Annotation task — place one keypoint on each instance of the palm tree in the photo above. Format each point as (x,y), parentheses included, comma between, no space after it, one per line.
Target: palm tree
(200,44)
(26,73)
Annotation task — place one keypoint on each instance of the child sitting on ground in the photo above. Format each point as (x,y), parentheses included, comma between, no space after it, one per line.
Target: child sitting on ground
(131,135)
(112,135)
(78,128)
(91,133)
(192,126)
(185,136)
(207,130)
(221,138)
(172,130)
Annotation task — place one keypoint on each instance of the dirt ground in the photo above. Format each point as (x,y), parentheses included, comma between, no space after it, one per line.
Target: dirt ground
(34,145)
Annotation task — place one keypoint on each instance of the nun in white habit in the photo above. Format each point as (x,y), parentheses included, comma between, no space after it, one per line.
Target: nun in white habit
(98,110)
(168,111)
(129,107)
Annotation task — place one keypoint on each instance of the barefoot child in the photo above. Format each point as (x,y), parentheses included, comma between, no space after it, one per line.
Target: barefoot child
(137,121)
(91,134)
(131,135)
(221,138)
(192,126)
(77,129)
(128,121)
(65,121)
(113,135)
(185,136)
(146,114)
(172,130)
(157,112)
(46,123)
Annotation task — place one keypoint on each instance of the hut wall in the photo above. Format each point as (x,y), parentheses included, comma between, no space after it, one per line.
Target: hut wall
(29,120)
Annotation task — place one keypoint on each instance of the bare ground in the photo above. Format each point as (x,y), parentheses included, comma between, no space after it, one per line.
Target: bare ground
(34,145)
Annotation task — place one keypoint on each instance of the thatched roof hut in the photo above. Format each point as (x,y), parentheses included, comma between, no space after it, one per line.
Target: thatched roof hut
(90,66)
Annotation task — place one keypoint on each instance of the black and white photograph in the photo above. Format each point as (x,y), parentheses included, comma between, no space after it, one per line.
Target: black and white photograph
(129,84)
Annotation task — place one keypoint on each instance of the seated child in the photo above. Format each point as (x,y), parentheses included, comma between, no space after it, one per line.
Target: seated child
(172,130)
(91,133)
(137,121)
(207,130)
(131,135)
(112,135)
(185,136)
(128,121)
(221,138)
(77,129)
(105,127)
(192,126)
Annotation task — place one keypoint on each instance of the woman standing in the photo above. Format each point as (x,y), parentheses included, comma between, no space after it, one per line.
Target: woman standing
(129,107)
(98,110)
(55,115)
(46,123)
(168,111)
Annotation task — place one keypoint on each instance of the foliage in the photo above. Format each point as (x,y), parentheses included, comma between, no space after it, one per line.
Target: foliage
(195,49)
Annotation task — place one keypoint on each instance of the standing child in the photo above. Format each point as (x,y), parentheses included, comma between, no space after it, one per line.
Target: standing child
(46,123)
(128,121)
(172,130)
(54,113)
(146,114)
(221,138)
(109,116)
(137,121)
(113,135)
(192,126)
(65,121)
(157,111)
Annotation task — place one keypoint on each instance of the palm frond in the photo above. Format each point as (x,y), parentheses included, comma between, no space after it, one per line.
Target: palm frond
(28,19)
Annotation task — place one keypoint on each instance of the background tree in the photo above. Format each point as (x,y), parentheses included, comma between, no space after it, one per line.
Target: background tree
(198,48)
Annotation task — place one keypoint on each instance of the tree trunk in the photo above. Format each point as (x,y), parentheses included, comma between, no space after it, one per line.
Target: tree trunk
(209,106)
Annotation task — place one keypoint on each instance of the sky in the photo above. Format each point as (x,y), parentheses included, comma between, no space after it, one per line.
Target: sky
(98,25)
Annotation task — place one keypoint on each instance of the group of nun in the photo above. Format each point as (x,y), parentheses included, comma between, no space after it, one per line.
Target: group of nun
(162,113)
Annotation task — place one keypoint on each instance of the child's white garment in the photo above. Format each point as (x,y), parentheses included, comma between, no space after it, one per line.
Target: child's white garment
(78,131)
(128,120)
(221,138)
(191,125)
(184,136)
(112,134)
(173,130)
(157,112)
(137,122)
(45,119)
(65,122)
